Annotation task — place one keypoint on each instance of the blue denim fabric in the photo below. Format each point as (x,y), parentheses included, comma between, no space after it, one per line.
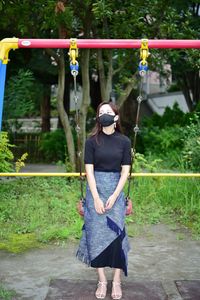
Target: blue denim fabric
(99,231)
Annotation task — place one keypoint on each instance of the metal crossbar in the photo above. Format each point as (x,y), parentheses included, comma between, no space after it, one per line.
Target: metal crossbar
(84,174)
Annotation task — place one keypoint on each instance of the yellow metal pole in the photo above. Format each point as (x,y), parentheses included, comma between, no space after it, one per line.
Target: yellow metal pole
(84,174)
(5,46)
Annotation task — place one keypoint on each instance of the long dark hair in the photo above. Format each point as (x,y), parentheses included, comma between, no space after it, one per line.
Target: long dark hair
(98,128)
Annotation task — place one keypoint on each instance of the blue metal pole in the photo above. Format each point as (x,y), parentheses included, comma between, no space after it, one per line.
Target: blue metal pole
(2,88)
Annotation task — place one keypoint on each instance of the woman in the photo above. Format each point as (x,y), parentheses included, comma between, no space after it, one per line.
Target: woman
(107,159)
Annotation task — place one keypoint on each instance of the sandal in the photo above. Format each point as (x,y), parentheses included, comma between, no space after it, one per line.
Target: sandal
(115,295)
(100,293)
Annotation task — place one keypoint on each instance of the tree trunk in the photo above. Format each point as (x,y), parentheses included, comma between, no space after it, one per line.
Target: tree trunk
(109,76)
(85,97)
(128,89)
(45,108)
(186,92)
(190,85)
(194,84)
(95,93)
(105,81)
(128,112)
(63,115)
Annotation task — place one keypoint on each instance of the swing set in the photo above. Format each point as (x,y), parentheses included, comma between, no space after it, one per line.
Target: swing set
(73,45)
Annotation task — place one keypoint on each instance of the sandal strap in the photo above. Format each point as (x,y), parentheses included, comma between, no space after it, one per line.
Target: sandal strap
(102,283)
(116,283)
(114,294)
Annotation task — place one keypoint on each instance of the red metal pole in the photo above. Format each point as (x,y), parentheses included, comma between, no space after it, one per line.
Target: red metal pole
(102,43)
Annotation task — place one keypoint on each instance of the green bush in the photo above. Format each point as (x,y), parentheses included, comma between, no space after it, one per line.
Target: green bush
(191,149)
(161,141)
(53,145)
(173,137)
(172,116)
(141,164)
(7,156)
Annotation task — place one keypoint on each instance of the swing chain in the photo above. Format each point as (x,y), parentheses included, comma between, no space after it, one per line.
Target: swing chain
(74,67)
(143,68)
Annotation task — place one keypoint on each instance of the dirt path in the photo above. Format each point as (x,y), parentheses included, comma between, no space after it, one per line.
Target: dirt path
(161,252)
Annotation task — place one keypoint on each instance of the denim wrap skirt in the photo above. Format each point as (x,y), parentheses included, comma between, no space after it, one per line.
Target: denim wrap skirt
(104,241)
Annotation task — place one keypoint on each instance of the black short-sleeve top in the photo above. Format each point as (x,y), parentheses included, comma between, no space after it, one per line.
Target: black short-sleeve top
(110,153)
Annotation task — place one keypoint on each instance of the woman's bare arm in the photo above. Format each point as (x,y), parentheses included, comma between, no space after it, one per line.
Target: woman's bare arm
(124,175)
(89,168)
(98,203)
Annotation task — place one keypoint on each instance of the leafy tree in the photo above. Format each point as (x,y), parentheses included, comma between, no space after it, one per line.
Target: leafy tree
(106,19)
(180,20)
(21,95)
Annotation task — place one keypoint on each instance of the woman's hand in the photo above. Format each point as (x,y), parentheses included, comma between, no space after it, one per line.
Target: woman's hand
(110,202)
(99,206)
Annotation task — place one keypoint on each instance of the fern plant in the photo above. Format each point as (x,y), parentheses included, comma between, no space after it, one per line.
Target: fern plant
(7,157)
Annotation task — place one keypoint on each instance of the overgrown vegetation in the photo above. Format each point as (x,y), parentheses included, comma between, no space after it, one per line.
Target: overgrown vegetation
(41,210)
(174,138)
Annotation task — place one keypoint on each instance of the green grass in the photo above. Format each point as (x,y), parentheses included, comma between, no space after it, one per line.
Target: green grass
(169,200)
(6,294)
(36,211)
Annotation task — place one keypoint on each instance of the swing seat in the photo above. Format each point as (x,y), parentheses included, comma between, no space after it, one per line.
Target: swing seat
(129,206)
(80,207)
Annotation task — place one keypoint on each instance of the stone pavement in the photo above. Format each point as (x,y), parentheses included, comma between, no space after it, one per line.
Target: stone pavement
(161,252)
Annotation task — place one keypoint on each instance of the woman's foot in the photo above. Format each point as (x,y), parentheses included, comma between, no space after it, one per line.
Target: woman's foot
(116,290)
(101,290)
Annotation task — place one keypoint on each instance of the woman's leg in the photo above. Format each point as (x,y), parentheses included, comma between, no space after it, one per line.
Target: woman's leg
(102,284)
(116,284)
(117,275)
(101,274)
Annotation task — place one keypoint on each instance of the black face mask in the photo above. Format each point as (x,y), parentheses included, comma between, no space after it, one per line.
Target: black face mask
(106,120)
